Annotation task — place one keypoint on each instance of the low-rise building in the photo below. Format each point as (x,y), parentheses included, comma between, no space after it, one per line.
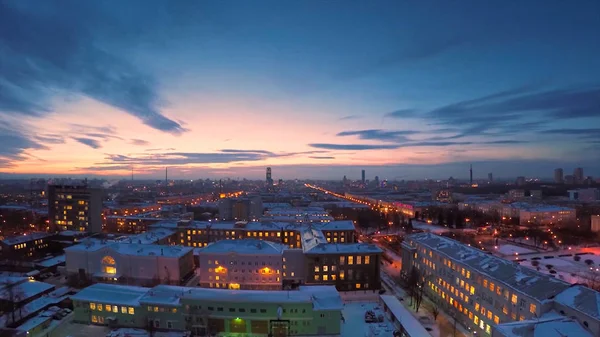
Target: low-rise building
(130,263)
(241,264)
(546,215)
(303,312)
(26,245)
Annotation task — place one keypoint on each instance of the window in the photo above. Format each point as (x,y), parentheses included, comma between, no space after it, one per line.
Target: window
(263,311)
(93,306)
(174,310)
(472,290)
(99,306)
(532,308)
(94,319)
(317,269)
(325,268)
(350,259)
(169,325)
(242,310)
(359,260)
(231,309)
(476,306)
(115,309)
(367,259)
(108,307)
(496,319)
(514,299)
(325,277)
(130,311)
(492,286)
(485,283)
(358,286)
(253,311)
(489,315)
(476,320)
(342,260)
(219,308)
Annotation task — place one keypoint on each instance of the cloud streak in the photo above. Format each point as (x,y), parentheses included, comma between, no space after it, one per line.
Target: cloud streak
(38,62)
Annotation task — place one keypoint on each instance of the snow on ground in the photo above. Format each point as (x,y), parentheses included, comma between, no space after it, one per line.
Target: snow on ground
(567,269)
(509,249)
(354,324)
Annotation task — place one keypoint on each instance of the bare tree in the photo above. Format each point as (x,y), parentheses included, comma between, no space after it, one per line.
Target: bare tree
(150,327)
(435,311)
(12,301)
(412,283)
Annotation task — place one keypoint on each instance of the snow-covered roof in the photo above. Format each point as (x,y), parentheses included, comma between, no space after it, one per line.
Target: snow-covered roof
(53,261)
(21,288)
(13,240)
(549,325)
(111,294)
(344,248)
(126,248)
(149,237)
(582,299)
(244,246)
(529,282)
(346,225)
(322,297)
(33,323)
(412,326)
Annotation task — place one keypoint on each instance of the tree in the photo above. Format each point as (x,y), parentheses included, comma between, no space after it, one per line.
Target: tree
(412,284)
(589,262)
(577,258)
(12,301)
(435,311)
(150,326)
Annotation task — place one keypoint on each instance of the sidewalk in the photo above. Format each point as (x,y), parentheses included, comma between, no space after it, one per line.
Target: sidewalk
(444,322)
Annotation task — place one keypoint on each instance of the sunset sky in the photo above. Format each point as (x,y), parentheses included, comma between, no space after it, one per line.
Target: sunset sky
(314,89)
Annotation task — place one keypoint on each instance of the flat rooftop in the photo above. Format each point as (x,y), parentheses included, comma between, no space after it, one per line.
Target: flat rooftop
(111,294)
(13,240)
(243,246)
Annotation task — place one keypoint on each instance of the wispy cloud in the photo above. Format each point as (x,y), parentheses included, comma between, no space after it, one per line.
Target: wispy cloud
(93,143)
(38,62)
(351,117)
(358,147)
(321,157)
(381,135)
(139,142)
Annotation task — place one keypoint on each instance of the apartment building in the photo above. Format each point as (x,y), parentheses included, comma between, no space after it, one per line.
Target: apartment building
(241,264)
(546,215)
(75,207)
(350,266)
(201,233)
(243,209)
(303,312)
(487,293)
(26,246)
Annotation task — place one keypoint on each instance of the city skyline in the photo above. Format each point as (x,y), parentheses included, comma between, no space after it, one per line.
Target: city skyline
(311,89)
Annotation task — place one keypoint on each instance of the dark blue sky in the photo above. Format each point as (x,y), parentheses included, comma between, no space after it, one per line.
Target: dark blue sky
(219,88)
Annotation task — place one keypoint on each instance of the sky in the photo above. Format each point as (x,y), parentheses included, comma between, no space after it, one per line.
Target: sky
(313,89)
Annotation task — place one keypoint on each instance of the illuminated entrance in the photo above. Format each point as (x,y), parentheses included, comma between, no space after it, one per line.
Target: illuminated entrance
(109,266)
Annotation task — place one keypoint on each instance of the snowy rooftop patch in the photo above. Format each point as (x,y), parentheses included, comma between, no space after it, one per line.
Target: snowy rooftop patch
(127,248)
(244,246)
(582,299)
(111,294)
(53,261)
(546,326)
(22,288)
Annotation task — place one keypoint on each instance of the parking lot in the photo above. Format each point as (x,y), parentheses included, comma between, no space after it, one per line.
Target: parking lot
(80,330)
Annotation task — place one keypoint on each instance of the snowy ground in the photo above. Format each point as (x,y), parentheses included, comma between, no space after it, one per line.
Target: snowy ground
(354,321)
(567,269)
(509,249)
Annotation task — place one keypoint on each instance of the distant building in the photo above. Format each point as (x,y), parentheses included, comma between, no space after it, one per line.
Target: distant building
(269,178)
(363,176)
(490,178)
(243,209)
(75,207)
(585,194)
(546,215)
(520,181)
(26,245)
(595,223)
(569,180)
(537,194)
(578,175)
(516,194)
(558,176)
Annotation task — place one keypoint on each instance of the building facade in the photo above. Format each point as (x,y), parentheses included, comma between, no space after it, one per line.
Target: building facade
(484,291)
(303,312)
(240,209)
(75,207)
(26,246)
(130,263)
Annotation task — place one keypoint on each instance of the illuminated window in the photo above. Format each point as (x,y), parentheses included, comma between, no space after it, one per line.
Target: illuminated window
(325,268)
(485,283)
(342,259)
(492,286)
(488,329)
(472,290)
(94,319)
(476,306)
(514,299)
(99,307)
(532,308)
(341,274)
(489,315)
(316,277)
(496,319)
(316,269)
(359,260)
(476,320)
(174,310)
(358,286)
(123,310)
(325,277)
(115,309)
(350,259)
(108,307)
(93,306)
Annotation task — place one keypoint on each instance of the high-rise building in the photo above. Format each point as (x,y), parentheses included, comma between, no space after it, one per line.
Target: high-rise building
(377,181)
(269,178)
(578,175)
(558,176)
(490,177)
(520,181)
(471,175)
(242,209)
(363,177)
(75,207)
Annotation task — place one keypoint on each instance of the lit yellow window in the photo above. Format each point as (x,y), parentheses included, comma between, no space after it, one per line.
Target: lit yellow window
(485,283)
(359,260)
(476,306)
(94,319)
(325,277)
(472,290)
(491,286)
(514,299)
(350,259)
(476,320)
(532,308)
(99,306)
(108,307)
(155,309)
(123,310)
(358,286)
(316,269)
(341,274)
(93,306)
(489,314)
(496,319)
(130,310)
(115,309)
(174,310)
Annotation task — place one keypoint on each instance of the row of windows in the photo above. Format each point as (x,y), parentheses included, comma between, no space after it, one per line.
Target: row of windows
(111,308)
(264,271)
(221,309)
(367,259)
(162,309)
(262,279)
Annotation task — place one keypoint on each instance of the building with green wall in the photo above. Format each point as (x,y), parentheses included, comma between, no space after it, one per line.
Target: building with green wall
(310,310)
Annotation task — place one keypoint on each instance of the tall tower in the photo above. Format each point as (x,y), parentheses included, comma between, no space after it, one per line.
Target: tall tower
(269,178)
(471,175)
(363,176)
